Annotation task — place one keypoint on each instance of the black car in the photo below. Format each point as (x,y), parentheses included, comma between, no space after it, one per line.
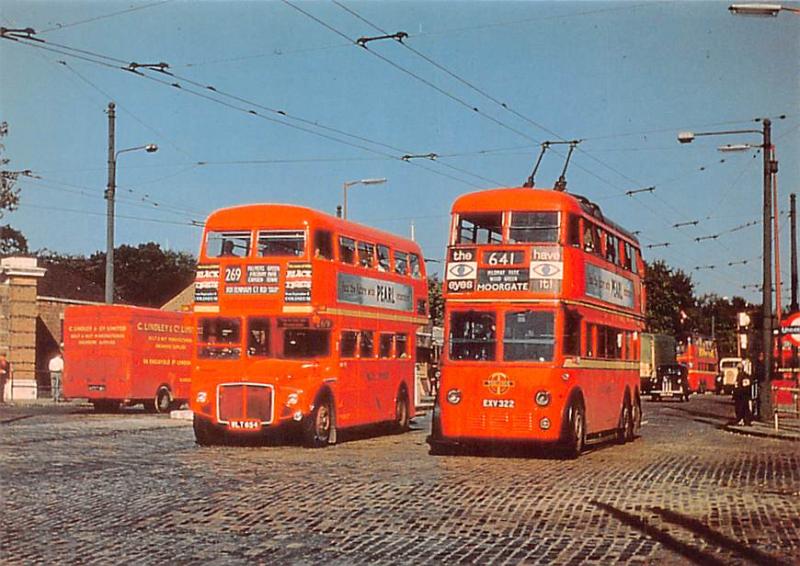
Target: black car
(671,382)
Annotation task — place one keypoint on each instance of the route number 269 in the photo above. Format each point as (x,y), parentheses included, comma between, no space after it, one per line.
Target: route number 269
(233,274)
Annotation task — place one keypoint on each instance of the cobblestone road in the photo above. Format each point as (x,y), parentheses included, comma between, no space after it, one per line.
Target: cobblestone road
(132,487)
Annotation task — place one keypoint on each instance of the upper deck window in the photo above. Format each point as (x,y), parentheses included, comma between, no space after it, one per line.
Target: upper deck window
(401,263)
(281,243)
(529,335)
(366,254)
(347,250)
(472,336)
(414,265)
(323,244)
(533,227)
(480,228)
(384,262)
(228,244)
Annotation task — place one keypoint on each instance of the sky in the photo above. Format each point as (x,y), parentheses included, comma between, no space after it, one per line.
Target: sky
(298,108)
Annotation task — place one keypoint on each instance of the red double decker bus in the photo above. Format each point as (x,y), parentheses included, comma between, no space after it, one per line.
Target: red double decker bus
(544,310)
(699,355)
(303,319)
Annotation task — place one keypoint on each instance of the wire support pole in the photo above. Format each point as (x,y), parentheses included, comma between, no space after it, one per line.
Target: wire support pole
(110,194)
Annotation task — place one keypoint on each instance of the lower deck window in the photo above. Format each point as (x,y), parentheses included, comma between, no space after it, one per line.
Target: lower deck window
(219,338)
(529,335)
(472,336)
(306,343)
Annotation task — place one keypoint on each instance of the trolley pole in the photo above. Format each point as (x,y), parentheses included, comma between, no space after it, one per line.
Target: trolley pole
(767,338)
(793,307)
(110,192)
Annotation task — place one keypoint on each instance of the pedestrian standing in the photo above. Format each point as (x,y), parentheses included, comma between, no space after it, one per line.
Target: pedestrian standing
(56,367)
(742,398)
(5,375)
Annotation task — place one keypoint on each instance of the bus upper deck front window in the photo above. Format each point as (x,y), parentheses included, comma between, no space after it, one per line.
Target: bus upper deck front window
(281,243)
(472,336)
(219,338)
(480,228)
(228,244)
(533,227)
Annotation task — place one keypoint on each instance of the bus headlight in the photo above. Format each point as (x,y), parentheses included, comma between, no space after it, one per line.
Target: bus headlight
(542,398)
(202,397)
(292,399)
(454,396)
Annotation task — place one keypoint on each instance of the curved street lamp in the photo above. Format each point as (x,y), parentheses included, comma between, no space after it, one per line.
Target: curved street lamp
(764,10)
(348,184)
(770,168)
(110,193)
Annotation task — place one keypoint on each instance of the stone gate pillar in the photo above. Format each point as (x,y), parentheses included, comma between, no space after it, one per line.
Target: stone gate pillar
(19,278)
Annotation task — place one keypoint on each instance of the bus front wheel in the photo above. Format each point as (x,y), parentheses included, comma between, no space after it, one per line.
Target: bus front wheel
(319,425)
(205,433)
(576,429)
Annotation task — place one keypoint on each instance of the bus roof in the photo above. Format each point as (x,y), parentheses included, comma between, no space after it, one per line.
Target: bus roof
(529,199)
(270,215)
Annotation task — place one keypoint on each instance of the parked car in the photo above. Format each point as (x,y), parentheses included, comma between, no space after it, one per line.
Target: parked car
(671,382)
(729,369)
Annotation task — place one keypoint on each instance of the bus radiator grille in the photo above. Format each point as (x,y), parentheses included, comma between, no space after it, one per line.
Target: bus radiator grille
(245,401)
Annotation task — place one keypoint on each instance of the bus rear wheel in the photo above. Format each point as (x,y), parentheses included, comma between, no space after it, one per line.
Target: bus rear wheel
(576,429)
(625,429)
(318,427)
(401,412)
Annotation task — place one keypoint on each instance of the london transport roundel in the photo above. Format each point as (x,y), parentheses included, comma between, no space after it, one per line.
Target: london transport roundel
(790,328)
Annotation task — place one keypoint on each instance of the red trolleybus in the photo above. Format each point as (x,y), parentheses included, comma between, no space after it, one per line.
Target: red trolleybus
(303,318)
(544,310)
(699,355)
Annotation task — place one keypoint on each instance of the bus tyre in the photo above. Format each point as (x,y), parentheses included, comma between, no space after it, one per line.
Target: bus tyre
(163,400)
(205,433)
(637,416)
(625,428)
(576,429)
(401,412)
(318,427)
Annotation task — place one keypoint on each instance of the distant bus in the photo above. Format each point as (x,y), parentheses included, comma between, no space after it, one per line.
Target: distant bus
(543,316)
(122,355)
(699,355)
(303,320)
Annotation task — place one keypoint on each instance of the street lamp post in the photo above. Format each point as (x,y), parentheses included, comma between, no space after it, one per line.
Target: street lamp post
(110,193)
(348,184)
(770,168)
(768,10)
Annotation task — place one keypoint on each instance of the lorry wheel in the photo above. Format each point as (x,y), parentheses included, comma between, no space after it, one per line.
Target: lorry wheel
(318,427)
(205,433)
(163,400)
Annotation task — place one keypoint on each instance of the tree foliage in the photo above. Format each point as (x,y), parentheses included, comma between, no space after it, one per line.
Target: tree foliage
(12,241)
(436,300)
(670,298)
(144,275)
(9,195)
